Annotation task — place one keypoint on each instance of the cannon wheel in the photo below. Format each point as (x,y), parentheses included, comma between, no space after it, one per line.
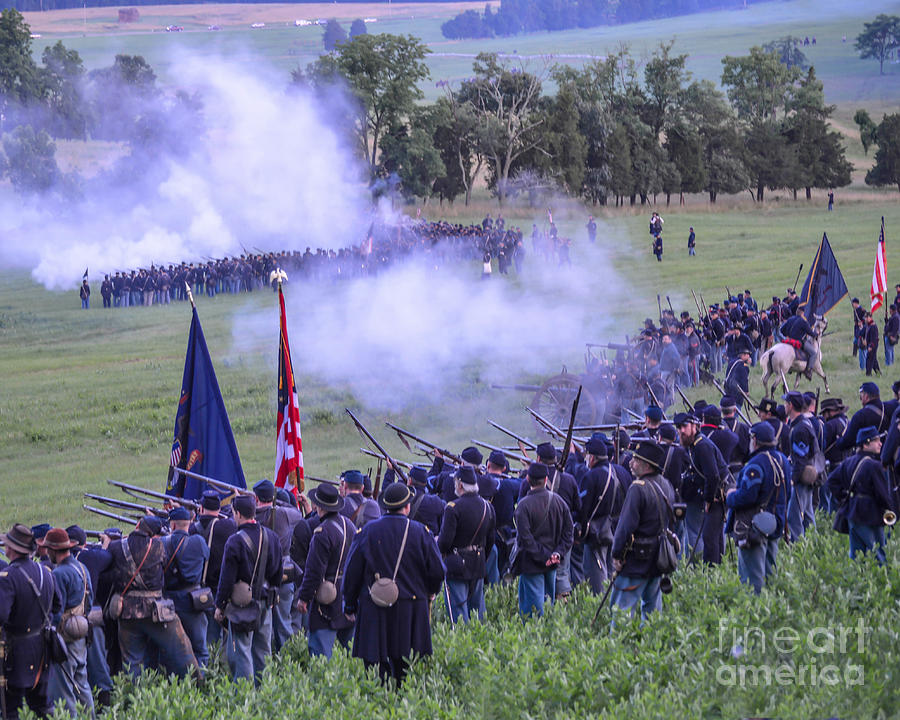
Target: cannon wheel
(554,402)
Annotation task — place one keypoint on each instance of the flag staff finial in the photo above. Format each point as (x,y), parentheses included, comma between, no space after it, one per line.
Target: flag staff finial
(190,295)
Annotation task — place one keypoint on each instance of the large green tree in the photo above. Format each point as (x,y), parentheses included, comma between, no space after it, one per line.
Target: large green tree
(382,72)
(759,88)
(821,157)
(20,80)
(879,38)
(63,79)
(31,160)
(887,159)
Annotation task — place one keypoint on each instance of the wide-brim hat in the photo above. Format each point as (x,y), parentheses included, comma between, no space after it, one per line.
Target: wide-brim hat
(326,497)
(395,496)
(835,404)
(57,539)
(650,452)
(20,538)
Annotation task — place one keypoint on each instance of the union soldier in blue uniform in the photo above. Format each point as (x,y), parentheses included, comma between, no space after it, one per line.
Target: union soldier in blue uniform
(251,573)
(544,534)
(467,534)
(215,530)
(357,507)
(804,446)
(871,413)
(703,489)
(68,679)
(28,598)
(320,591)
(393,547)
(836,422)
(798,329)
(144,618)
(722,437)
(601,486)
(280,520)
(98,562)
(564,485)
(187,559)
(762,486)
(646,515)
(424,508)
(504,502)
(737,377)
(444,477)
(860,485)
(731,421)
(768,412)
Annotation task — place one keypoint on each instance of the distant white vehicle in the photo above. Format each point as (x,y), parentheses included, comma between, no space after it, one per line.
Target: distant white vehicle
(35,35)
(213,27)
(258,25)
(368,20)
(174,28)
(302,23)
(321,21)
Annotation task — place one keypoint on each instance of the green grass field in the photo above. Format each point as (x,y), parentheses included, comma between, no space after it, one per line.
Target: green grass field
(90,395)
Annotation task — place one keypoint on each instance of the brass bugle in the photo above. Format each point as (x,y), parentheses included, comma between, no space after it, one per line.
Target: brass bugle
(889,517)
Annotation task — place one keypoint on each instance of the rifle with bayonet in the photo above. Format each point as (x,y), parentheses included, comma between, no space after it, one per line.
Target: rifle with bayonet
(654,398)
(721,390)
(133,490)
(521,440)
(127,519)
(403,434)
(687,403)
(550,428)
(401,463)
(376,486)
(564,455)
(125,505)
(511,455)
(366,434)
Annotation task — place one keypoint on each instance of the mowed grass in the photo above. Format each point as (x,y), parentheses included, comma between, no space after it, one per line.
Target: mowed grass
(705,37)
(91,395)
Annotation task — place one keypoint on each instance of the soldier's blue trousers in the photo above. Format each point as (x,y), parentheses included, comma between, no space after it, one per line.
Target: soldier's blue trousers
(135,637)
(466,599)
(533,588)
(596,567)
(752,565)
(321,642)
(282,623)
(864,538)
(97,665)
(195,625)
(563,576)
(247,651)
(800,511)
(492,573)
(69,682)
(629,591)
(771,556)
(693,520)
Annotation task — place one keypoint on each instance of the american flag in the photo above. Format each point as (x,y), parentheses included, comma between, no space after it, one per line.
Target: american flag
(288,444)
(879,273)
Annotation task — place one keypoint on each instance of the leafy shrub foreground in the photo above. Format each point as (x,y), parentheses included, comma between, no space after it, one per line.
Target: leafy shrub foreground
(706,655)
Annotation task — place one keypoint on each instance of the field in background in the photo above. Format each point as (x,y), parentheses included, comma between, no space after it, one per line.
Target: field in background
(91,395)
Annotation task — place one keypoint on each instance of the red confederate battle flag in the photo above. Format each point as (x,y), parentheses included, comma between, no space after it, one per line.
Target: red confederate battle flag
(288,446)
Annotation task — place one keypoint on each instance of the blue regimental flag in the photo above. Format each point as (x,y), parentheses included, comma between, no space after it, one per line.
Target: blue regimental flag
(203,442)
(824,287)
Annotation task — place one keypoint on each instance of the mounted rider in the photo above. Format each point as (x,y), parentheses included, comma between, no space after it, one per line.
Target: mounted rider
(798,333)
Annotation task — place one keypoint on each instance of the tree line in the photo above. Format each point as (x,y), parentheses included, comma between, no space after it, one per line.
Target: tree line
(615,131)
(59,99)
(518,16)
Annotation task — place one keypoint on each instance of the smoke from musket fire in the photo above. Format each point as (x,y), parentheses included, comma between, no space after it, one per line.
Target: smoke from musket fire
(269,174)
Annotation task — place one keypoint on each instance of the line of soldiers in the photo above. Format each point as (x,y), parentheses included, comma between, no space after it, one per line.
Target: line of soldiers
(438,243)
(343,567)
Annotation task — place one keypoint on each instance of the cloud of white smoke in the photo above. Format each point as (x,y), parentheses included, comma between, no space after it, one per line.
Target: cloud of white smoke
(270,174)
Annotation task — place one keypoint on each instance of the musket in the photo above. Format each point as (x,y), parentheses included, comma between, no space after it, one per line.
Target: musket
(128,519)
(125,505)
(564,456)
(550,428)
(653,397)
(366,451)
(687,403)
(323,481)
(750,402)
(376,486)
(511,455)
(365,433)
(706,307)
(612,582)
(818,390)
(671,309)
(607,426)
(521,388)
(401,433)
(219,485)
(727,292)
(527,443)
(659,307)
(93,534)
(131,489)
(723,393)
(633,414)
(616,445)
(797,279)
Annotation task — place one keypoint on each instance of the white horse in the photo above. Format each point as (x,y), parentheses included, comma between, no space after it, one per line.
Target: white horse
(780,360)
